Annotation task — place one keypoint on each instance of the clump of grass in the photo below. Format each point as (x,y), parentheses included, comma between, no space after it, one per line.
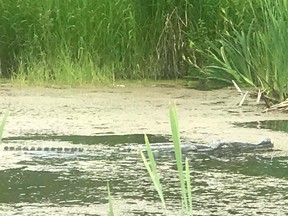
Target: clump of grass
(257,55)
(183,172)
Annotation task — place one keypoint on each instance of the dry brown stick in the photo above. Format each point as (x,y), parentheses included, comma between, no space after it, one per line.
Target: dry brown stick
(243,98)
(259,96)
(237,87)
(283,106)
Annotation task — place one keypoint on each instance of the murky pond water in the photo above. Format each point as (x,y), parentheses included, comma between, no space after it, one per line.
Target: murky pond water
(56,183)
(275,125)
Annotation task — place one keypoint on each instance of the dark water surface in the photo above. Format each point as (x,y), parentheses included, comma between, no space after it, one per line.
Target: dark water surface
(50,183)
(275,125)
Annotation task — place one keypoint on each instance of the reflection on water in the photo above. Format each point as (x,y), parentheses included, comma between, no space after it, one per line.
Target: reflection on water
(275,125)
(43,183)
(106,139)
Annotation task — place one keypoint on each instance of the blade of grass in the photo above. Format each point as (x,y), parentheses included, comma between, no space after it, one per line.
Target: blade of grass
(2,125)
(111,212)
(178,153)
(152,170)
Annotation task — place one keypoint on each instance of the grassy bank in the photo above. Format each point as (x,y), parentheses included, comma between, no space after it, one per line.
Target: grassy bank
(99,41)
(256,55)
(91,42)
(80,41)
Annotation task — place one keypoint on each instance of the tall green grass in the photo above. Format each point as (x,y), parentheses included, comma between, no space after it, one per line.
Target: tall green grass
(258,55)
(82,41)
(183,172)
(211,21)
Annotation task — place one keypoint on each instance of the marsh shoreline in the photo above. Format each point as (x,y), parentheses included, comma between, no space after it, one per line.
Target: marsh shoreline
(204,116)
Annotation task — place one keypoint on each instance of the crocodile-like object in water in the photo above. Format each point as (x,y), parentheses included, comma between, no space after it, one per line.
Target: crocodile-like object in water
(214,147)
(186,147)
(52,149)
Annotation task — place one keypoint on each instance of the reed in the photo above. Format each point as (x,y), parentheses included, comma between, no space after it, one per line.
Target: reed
(151,167)
(183,172)
(257,56)
(82,41)
(88,42)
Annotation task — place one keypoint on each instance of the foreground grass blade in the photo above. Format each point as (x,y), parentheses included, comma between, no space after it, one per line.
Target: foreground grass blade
(152,170)
(178,153)
(111,212)
(185,182)
(184,176)
(2,125)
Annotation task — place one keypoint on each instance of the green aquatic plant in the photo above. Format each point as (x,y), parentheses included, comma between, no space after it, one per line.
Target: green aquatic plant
(151,167)
(183,172)
(2,124)
(186,194)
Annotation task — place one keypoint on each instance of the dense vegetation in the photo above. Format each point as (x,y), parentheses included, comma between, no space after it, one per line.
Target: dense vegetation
(83,41)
